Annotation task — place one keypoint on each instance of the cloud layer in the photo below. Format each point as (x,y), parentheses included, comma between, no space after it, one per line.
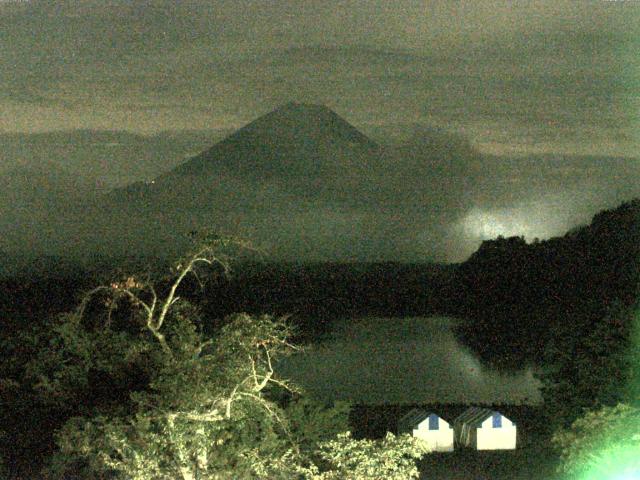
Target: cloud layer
(525,77)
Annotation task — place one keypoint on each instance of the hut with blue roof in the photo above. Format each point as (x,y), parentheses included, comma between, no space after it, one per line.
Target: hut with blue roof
(484,429)
(429,427)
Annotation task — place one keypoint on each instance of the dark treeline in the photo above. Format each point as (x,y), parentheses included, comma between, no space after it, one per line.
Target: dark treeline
(568,305)
(517,296)
(316,294)
(33,293)
(513,295)
(311,294)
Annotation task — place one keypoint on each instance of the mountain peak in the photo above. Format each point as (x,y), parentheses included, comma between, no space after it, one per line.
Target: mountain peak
(304,119)
(298,108)
(292,136)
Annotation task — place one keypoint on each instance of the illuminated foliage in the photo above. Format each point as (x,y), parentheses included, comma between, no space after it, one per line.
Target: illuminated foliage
(602,444)
(344,458)
(150,396)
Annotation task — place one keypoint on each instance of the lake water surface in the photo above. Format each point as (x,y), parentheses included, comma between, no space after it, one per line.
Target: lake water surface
(402,361)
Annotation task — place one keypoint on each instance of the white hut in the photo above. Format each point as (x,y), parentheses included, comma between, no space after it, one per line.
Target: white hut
(427,426)
(484,429)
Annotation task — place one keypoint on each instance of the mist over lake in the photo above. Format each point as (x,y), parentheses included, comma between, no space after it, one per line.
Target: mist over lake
(403,361)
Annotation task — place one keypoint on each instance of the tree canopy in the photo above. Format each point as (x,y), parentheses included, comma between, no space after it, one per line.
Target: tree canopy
(149,393)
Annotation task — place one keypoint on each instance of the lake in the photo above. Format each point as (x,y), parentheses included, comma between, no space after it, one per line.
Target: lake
(403,361)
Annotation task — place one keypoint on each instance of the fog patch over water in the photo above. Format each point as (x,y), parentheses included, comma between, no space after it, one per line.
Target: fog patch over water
(403,361)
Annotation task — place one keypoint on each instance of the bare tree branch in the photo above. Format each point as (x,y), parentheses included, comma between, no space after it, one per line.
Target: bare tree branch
(137,301)
(260,386)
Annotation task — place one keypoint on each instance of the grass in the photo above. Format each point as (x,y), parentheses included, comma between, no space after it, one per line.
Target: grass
(528,463)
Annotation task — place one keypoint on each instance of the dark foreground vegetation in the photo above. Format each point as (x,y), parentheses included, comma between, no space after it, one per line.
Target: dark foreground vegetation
(566,305)
(133,384)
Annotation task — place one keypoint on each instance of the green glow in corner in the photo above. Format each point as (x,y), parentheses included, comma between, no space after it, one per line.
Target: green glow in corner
(615,463)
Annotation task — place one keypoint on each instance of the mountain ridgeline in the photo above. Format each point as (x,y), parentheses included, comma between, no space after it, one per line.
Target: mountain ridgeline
(300,182)
(306,142)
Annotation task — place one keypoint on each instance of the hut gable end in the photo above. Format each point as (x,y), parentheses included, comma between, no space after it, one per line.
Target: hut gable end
(436,432)
(485,429)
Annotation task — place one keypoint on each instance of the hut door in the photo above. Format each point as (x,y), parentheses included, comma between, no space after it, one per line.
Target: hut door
(497,420)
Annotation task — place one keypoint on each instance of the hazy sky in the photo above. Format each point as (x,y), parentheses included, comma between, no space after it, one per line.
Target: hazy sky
(515,76)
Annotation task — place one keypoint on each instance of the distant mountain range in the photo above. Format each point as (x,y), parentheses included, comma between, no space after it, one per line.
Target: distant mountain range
(299,181)
(47,179)
(107,159)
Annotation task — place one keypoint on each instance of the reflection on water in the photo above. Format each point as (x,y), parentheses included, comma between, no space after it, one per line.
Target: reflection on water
(403,360)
